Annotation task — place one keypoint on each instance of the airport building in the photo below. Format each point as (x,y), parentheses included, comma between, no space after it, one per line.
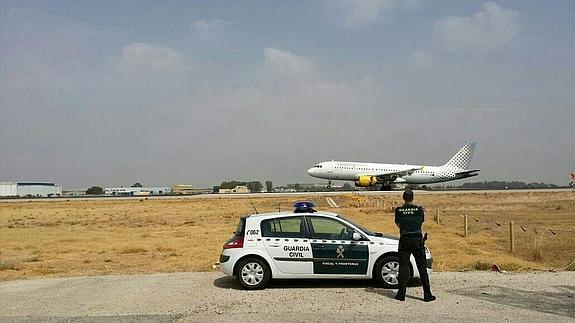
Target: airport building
(137,191)
(185,189)
(74,193)
(29,189)
(8,189)
(237,189)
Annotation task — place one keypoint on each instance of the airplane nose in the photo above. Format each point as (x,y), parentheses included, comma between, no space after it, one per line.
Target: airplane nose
(310,171)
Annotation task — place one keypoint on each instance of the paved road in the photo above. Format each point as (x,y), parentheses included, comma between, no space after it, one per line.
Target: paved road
(472,296)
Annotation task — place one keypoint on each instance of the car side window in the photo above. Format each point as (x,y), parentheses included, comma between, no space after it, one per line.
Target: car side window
(290,227)
(326,228)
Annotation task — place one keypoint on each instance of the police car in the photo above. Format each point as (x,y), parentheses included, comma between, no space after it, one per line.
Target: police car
(310,245)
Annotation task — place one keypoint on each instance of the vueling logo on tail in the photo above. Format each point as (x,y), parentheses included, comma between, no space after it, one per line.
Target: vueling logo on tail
(462,159)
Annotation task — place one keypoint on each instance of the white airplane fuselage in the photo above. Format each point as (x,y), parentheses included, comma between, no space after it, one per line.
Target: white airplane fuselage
(369,174)
(351,171)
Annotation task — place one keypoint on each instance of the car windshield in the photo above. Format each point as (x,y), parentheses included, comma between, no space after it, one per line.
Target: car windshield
(359,226)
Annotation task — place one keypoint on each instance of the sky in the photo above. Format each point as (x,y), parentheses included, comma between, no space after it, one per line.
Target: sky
(110,93)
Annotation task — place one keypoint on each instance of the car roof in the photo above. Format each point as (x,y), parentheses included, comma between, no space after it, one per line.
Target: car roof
(283,214)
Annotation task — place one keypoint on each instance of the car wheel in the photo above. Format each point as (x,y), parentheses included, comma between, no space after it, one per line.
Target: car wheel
(253,273)
(387,272)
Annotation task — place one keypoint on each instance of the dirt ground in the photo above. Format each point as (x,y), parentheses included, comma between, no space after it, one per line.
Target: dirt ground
(213,297)
(98,237)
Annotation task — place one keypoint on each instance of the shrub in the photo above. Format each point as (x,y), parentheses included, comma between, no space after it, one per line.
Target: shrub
(481,265)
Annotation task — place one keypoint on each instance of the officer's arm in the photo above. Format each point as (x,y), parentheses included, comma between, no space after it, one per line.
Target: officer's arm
(397,219)
(422,214)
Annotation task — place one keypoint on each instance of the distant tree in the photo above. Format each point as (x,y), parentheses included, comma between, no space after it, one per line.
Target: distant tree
(137,184)
(95,190)
(347,187)
(232,184)
(297,187)
(269,186)
(255,186)
(505,185)
(215,189)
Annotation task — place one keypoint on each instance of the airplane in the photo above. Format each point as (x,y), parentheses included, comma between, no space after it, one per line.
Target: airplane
(370,174)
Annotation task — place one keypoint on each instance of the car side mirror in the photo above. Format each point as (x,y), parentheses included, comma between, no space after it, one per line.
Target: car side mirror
(356,236)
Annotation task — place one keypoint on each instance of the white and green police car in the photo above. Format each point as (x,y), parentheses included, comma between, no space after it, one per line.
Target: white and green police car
(310,245)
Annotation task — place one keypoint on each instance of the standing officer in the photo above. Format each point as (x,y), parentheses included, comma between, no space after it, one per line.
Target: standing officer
(409,218)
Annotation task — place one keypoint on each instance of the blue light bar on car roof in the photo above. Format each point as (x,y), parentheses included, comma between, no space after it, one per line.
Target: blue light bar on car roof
(304,206)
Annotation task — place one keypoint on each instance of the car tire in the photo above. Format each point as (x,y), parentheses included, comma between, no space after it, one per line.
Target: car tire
(386,272)
(253,273)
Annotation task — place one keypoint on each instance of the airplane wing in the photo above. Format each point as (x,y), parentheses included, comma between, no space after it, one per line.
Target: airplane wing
(391,176)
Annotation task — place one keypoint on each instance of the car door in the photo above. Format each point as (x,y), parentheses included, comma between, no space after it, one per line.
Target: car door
(285,240)
(333,249)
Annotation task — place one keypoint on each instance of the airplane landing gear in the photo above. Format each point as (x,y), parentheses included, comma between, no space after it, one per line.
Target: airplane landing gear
(329,184)
(386,187)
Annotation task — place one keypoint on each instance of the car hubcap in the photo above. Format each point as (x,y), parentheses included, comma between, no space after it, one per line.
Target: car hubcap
(252,273)
(390,272)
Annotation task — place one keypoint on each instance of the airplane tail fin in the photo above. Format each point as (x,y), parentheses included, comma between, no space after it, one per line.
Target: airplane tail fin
(462,159)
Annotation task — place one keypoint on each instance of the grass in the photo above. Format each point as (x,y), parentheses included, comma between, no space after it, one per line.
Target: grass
(75,237)
(8,265)
(134,250)
(34,257)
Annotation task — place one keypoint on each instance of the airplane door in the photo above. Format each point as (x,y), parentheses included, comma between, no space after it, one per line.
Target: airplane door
(333,249)
(286,242)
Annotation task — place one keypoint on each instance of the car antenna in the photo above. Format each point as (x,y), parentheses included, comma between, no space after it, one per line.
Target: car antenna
(253,205)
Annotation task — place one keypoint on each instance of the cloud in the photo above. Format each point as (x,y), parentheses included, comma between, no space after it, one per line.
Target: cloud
(284,63)
(359,12)
(356,13)
(423,58)
(491,27)
(151,59)
(209,30)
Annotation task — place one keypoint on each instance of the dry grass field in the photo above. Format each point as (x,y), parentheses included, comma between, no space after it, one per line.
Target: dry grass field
(95,237)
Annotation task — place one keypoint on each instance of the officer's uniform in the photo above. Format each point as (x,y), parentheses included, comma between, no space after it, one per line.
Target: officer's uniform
(409,218)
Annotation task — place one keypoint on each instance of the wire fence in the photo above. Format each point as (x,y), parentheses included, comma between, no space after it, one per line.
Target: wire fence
(531,238)
(521,230)
(438,215)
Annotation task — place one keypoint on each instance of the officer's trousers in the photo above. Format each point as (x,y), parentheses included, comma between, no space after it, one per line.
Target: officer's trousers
(408,245)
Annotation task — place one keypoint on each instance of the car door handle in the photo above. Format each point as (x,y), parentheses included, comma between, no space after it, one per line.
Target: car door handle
(274,245)
(319,246)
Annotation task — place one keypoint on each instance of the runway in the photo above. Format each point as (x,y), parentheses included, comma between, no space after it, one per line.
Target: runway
(290,194)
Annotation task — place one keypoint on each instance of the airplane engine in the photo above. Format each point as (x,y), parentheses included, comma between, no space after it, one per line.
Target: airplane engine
(365,181)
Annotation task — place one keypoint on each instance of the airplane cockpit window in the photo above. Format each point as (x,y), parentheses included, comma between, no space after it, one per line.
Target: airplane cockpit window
(317,166)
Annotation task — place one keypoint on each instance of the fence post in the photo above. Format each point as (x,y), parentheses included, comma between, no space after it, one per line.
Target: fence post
(511,237)
(465,224)
(437,216)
